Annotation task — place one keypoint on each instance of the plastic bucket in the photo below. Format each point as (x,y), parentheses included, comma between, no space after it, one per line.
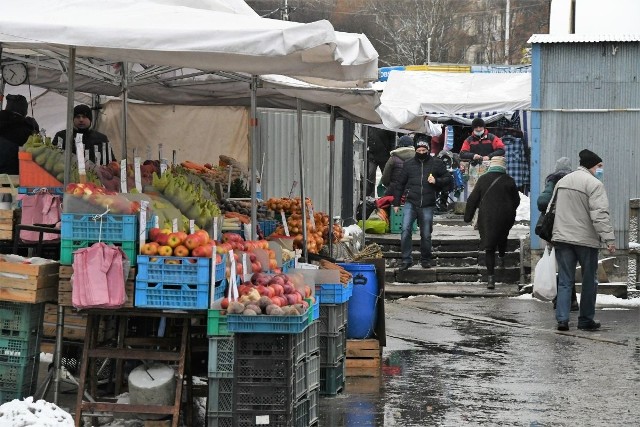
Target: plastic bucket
(362,308)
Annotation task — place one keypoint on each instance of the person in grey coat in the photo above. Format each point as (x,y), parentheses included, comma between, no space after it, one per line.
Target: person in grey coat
(581,227)
(393,168)
(496,197)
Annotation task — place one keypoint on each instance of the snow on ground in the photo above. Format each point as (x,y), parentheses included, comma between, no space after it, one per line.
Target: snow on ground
(27,413)
(602,301)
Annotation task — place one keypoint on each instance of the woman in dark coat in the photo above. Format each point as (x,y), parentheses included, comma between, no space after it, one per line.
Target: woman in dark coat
(496,197)
(393,168)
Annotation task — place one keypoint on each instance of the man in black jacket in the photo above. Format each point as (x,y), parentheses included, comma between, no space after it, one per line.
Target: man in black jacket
(82,118)
(380,142)
(15,129)
(422,178)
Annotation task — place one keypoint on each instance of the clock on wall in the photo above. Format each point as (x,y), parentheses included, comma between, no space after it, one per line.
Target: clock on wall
(14,74)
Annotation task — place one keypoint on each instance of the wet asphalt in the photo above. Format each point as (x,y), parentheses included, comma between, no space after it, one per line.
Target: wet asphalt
(496,362)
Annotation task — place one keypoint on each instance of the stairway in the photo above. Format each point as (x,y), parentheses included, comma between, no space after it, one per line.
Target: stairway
(457,257)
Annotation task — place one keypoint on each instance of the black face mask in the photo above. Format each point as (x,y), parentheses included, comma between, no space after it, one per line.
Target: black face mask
(422,156)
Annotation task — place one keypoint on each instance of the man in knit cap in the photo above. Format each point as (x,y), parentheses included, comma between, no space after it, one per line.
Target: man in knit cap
(481,144)
(15,128)
(496,197)
(580,229)
(92,139)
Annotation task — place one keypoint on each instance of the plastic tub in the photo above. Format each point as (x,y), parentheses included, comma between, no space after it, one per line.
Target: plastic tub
(362,308)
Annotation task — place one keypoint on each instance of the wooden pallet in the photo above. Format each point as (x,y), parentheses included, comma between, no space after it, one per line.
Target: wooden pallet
(363,358)
(28,283)
(7,223)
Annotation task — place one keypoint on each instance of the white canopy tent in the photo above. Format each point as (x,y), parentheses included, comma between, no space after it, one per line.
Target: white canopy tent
(409,96)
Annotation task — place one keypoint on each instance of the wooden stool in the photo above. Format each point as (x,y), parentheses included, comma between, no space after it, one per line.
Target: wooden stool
(136,348)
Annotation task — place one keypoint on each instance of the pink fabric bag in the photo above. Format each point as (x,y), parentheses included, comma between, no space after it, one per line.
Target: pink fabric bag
(99,277)
(40,208)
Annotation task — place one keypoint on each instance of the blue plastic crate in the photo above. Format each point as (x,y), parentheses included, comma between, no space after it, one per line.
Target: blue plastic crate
(109,227)
(268,226)
(170,295)
(316,310)
(333,293)
(220,268)
(172,269)
(34,190)
(288,265)
(220,289)
(264,324)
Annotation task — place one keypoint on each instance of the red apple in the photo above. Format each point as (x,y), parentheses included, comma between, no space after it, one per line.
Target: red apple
(150,248)
(162,239)
(174,240)
(193,241)
(199,251)
(165,250)
(224,304)
(154,233)
(204,236)
(180,250)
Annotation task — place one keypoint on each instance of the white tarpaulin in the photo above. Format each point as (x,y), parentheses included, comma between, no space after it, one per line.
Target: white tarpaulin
(409,96)
(164,32)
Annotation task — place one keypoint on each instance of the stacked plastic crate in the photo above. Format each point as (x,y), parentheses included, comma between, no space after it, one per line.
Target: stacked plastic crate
(276,378)
(221,360)
(19,349)
(332,332)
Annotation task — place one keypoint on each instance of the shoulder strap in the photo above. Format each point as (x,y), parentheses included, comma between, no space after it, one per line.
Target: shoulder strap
(489,189)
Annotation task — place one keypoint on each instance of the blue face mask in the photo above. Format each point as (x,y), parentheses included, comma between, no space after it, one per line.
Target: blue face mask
(599,174)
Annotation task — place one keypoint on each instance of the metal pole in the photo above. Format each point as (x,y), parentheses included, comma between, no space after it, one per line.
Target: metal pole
(68,140)
(125,97)
(365,165)
(429,51)
(507,18)
(332,159)
(253,155)
(303,204)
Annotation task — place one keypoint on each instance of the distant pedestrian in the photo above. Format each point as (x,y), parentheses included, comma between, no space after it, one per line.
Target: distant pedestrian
(496,197)
(580,228)
(481,145)
(393,169)
(563,167)
(380,142)
(422,178)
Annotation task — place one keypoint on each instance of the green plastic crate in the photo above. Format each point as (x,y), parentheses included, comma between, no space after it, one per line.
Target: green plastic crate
(68,247)
(395,221)
(19,320)
(217,324)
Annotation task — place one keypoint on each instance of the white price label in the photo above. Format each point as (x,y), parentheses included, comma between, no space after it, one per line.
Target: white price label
(215,228)
(284,223)
(105,159)
(311,216)
(60,142)
(97,155)
(137,174)
(192,226)
(81,157)
(174,225)
(160,152)
(109,151)
(123,175)
(156,221)
(163,168)
(142,226)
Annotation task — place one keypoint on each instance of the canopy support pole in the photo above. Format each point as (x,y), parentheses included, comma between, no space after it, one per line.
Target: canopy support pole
(365,173)
(332,159)
(253,155)
(125,108)
(303,200)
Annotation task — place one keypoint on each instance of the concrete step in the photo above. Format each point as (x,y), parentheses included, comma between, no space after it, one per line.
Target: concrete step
(452,259)
(474,273)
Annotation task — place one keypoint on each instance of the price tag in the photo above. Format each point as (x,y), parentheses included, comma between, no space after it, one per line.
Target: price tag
(213,275)
(156,221)
(142,226)
(80,154)
(174,225)
(298,254)
(215,228)
(137,174)
(160,152)
(311,216)
(247,231)
(60,142)
(123,175)
(109,151)
(284,223)
(103,146)
(175,156)
(244,264)
(97,155)
(163,167)
(192,226)
(233,286)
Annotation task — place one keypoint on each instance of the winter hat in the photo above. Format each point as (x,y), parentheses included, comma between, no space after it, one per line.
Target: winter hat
(17,104)
(422,140)
(405,141)
(84,110)
(498,161)
(563,164)
(589,159)
(422,143)
(477,123)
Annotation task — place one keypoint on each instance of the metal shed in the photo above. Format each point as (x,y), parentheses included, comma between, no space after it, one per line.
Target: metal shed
(586,94)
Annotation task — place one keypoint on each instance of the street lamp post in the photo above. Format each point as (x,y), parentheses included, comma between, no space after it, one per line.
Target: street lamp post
(429,51)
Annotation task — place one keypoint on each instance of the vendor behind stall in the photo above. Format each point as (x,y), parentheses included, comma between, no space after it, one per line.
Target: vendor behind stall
(15,129)
(82,118)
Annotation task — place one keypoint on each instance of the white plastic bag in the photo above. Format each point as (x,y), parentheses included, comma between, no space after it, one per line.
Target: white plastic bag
(544,282)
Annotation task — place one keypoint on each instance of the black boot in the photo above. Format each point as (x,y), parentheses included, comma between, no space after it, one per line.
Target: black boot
(491,282)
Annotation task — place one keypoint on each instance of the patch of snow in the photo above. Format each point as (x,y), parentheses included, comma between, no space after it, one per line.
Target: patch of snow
(602,301)
(46,357)
(523,213)
(634,245)
(27,413)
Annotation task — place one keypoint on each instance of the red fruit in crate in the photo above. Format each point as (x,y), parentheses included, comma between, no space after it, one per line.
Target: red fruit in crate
(200,252)
(262,290)
(218,259)
(154,233)
(270,292)
(192,241)
(277,289)
(277,280)
(181,251)
(162,239)
(256,267)
(150,248)
(239,269)
(253,258)
(224,304)
(305,304)
(307,291)
(204,236)
(173,240)
(299,296)
(182,235)
(165,250)
(291,299)
(288,288)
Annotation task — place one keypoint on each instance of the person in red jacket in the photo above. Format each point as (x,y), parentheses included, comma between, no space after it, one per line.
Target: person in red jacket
(481,145)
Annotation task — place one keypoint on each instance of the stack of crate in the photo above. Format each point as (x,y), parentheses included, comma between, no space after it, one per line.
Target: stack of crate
(19,345)
(221,355)
(332,340)
(276,378)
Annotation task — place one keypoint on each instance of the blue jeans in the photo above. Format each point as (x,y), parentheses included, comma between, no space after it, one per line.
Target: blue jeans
(425,222)
(567,257)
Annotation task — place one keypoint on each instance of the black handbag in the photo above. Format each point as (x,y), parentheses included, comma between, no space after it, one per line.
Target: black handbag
(544,226)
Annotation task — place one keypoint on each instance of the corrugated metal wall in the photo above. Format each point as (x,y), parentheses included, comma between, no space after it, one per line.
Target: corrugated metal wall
(279,143)
(592,76)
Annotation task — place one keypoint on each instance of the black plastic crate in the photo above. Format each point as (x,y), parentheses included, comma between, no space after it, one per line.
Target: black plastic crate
(332,379)
(301,413)
(300,379)
(312,343)
(333,347)
(220,400)
(333,317)
(313,372)
(314,401)
(221,357)
(262,399)
(274,372)
(260,420)
(219,421)
(290,347)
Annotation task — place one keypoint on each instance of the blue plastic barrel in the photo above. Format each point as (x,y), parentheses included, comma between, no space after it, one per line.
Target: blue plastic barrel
(362,308)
